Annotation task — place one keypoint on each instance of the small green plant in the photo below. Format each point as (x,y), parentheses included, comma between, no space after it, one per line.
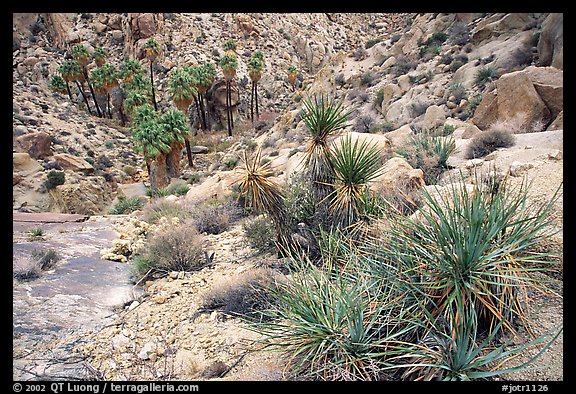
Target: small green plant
(177,188)
(194,179)
(488,141)
(35,233)
(230,164)
(162,208)
(535,39)
(472,105)
(370,43)
(54,178)
(126,205)
(109,144)
(257,232)
(45,259)
(457,90)
(485,75)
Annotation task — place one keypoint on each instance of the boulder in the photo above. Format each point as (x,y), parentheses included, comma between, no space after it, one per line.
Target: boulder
(73,163)
(400,136)
(435,116)
(145,25)
(37,145)
(382,142)
(470,131)
(551,44)
(87,197)
(518,97)
(24,165)
(404,82)
(549,83)
(558,123)
(390,92)
(397,175)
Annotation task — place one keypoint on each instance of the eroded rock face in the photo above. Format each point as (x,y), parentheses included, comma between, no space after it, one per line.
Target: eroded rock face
(530,99)
(551,43)
(88,196)
(37,145)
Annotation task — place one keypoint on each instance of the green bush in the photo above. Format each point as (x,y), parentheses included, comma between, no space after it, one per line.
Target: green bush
(488,141)
(259,233)
(177,248)
(127,205)
(54,178)
(485,75)
(299,200)
(35,233)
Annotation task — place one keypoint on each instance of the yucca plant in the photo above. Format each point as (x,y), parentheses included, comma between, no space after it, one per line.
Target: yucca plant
(336,325)
(152,50)
(255,68)
(355,164)
(229,64)
(175,124)
(476,246)
(430,153)
(323,117)
(485,75)
(453,351)
(264,195)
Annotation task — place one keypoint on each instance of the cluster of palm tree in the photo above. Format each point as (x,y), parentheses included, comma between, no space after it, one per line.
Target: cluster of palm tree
(255,69)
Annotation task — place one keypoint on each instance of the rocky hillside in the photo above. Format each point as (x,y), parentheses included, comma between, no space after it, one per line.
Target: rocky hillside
(490,83)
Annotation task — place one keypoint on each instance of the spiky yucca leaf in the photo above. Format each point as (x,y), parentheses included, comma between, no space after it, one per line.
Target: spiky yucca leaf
(264,195)
(355,164)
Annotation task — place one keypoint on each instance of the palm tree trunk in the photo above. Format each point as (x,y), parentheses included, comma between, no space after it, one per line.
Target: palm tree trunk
(256,97)
(92,92)
(228,113)
(173,160)
(84,97)
(252,103)
(197,105)
(158,174)
(122,117)
(152,82)
(189,154)
(108,105)
(230,107)
(207,110)
(69,92)
(201,100)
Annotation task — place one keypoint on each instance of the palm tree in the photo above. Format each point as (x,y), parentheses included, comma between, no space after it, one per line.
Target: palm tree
(105,78)
(255,67)
(229,64)
(135,99)
(129,68)
(58,84)
(153,142)
(204,75)
(292,70)
(152,49)
(82,56)
(355,164)
(230,47)
(323,118)
(71,71)
(181,87)
(99,55)
(175,124)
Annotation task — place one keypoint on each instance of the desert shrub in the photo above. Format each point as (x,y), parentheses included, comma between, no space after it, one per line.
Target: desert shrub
(54,178)
(458,62)
(162,208)
(403,65)
(127,205)
(212,219)
(177,248)
(488,141)
(299,200)
(363,96)
(459,33)
(194,178)
(535,39)
(485,75)
(457,90)
(178,188)
(368,78)
(360,54)
(45,259)
(259,233)
(340,79)
(446,59)
(364,123)
(244,295)
(472,105)
(373,41)
(429,153)
(379,98)
(35,233)
(25,268)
